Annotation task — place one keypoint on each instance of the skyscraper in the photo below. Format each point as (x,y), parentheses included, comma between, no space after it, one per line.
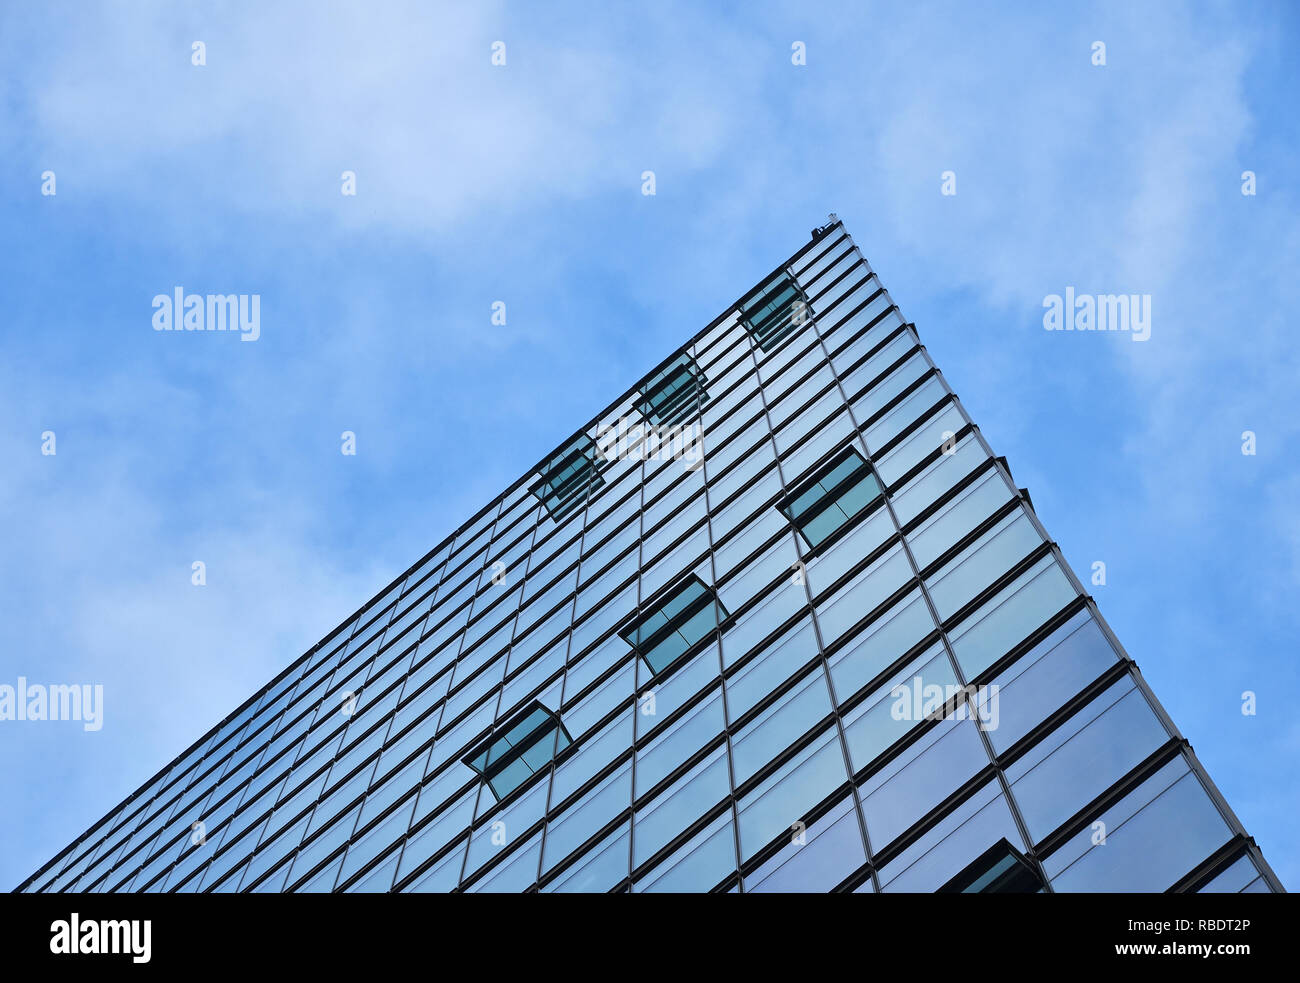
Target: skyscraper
(776,620)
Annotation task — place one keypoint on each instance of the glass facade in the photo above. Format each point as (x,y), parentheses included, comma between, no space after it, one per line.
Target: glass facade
(824,645)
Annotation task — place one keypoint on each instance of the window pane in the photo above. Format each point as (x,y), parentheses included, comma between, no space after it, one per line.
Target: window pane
(902,416)
(777,727)
(1003,621)
(920,442)
(880,644)
(675,745)
(584,819)
(825,569)
(923,489)
(674,810)
(960,836)
(783,798)
(1154,836)
(942,530)
(1083,757)
(517,873)
(1047,677)
(816,859)
(697,865)
(902,792)
(863,594)
(604,866)
(771,667)
(900,704)
(981,563)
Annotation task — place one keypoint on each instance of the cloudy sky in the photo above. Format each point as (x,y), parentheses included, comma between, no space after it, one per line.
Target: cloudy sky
(522,183)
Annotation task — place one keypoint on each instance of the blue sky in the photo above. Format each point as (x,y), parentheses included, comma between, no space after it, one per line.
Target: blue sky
(522,183)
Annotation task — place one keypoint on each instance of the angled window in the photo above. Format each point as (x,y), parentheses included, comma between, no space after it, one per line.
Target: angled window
(568,475)
(517,749)
(679,622)
(673,394)
(774,311)
(1001,869)
(822,504)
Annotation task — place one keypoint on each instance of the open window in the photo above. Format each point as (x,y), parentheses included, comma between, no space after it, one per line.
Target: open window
(674,393)
(774,310)
(826,501)
(522,746)
(1001,869)
(568,475)
(678,623)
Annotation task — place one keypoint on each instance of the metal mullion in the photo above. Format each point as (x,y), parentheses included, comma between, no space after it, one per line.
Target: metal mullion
(564,684)
(959,674)
(441,707)
(821,648)
(636,673)
(733,801)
